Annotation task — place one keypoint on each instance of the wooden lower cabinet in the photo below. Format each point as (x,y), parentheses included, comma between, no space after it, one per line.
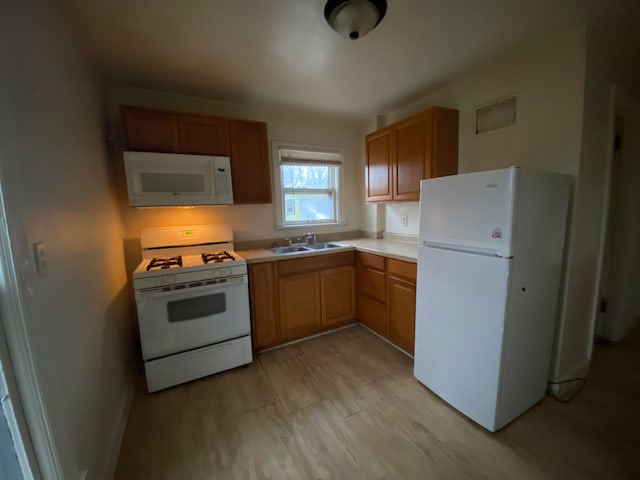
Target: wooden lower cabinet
(372,313)
(300,312)
(264,321)
(372,292)
(401,311)
(338,295)
(387,298)
(296,298)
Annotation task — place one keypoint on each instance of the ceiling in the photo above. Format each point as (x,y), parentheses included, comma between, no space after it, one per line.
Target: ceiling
(283,52)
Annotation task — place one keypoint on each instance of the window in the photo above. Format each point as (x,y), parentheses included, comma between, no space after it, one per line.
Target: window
(307,185)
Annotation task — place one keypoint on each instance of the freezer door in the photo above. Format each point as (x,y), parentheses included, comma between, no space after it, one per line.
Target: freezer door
(473,210)
(460,323)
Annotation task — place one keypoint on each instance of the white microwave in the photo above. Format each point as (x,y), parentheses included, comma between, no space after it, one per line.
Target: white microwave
(168,179)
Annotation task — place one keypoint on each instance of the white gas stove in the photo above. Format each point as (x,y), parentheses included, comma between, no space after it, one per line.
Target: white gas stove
(192,298)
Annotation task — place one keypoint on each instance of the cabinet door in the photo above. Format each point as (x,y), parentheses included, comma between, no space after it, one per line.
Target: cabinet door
(401,312)
(413,156)
(372,313)
(203,135)
(250,166)
(444,131)
(299,305)
(338,295)
(150,130)
(379,165)
(262,284)
(372,283)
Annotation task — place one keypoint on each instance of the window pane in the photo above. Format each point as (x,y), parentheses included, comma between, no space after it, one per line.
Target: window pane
(306,207)
(306,176)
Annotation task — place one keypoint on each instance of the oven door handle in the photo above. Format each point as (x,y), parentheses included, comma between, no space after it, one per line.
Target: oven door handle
(160,293)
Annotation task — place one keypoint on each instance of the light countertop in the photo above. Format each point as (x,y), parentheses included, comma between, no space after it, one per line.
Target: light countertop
(407,251)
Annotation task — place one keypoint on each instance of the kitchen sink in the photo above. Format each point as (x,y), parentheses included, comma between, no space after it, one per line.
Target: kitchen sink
(304,247)
(290,249)
(323,245)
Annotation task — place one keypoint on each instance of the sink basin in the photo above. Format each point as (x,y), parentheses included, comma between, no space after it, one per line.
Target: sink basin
(290,249)
(323,245)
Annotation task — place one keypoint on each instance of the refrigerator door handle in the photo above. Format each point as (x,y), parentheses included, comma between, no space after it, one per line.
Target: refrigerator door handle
(489,252)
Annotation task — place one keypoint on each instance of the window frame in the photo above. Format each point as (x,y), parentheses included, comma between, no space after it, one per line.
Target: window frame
(277,147)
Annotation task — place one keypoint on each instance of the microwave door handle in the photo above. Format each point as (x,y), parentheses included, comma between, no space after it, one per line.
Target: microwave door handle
(159,293)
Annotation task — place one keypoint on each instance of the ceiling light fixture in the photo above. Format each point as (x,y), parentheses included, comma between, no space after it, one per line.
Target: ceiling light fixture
(354,18)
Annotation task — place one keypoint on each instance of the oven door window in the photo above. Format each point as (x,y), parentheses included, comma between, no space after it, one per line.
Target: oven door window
(196,307)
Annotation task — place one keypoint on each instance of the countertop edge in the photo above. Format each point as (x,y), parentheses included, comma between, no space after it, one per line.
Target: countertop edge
(261,255)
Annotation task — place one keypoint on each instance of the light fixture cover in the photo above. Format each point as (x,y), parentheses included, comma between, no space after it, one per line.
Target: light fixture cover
(354,18)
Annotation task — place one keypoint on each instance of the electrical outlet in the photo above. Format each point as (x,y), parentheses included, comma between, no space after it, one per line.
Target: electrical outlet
(405,220)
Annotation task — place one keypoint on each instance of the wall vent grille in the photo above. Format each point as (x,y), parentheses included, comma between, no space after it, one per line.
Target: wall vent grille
(496,115)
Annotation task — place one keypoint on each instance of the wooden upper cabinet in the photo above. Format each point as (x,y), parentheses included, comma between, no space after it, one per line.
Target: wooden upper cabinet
(150,130)
(413,156)
(419,147)
(444,142)
(379,166)
(246,142)
(203,135)
(250,167)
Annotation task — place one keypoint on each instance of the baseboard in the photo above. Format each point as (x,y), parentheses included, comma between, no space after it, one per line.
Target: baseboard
(112,452)
(386,340)
(563,390)
(304,339)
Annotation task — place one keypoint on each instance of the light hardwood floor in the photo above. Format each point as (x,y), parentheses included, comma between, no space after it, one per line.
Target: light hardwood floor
(346,406)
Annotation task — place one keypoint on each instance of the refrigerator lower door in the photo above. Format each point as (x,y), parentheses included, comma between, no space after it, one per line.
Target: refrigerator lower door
(460,323)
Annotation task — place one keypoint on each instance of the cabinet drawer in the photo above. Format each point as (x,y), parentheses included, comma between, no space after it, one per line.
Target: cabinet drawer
(373,314)
(402,269)
(371,282)
(319,262)
(372,261)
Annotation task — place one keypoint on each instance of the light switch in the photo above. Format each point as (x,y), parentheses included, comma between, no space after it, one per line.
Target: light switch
(40,252)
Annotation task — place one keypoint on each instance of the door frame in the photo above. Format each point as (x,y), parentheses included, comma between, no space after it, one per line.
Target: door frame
(614,98)
(35,446)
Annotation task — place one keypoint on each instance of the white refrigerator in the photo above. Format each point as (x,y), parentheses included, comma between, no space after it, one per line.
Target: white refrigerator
(489,267)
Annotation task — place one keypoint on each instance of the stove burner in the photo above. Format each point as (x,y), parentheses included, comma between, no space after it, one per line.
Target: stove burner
(217,257)
(163,263)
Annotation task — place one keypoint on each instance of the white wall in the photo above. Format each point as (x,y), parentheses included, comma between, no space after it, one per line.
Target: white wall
(249,222)
(607,64)
(58,190)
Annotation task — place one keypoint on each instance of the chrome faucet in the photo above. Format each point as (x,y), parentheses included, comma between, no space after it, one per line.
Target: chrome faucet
(310,238)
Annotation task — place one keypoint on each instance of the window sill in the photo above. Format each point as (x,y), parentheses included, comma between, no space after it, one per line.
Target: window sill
(309,226)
